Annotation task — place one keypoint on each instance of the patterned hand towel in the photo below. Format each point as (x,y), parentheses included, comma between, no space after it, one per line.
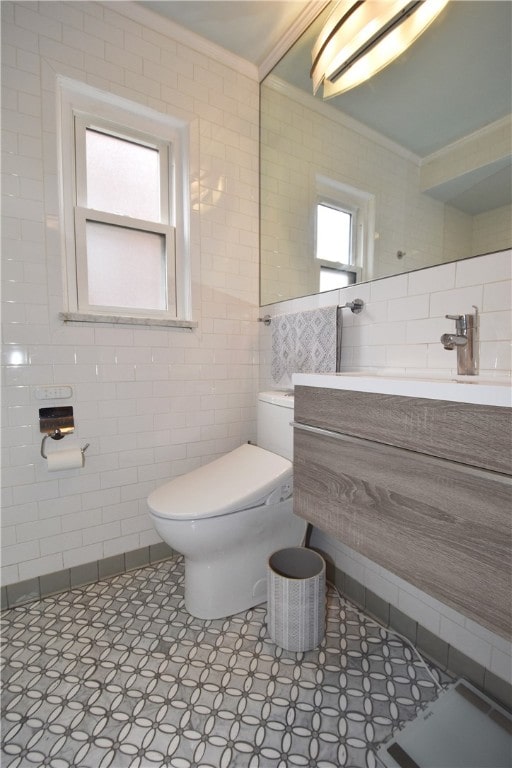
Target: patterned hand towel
(303,342)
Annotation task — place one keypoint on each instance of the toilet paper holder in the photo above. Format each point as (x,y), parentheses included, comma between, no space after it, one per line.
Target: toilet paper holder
(56,423)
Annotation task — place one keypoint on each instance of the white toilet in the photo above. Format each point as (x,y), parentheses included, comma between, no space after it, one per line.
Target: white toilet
(227,517)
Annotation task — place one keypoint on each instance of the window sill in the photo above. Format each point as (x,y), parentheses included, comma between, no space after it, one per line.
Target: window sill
(79,317)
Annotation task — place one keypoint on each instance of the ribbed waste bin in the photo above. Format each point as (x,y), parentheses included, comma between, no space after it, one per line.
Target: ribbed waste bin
(296,598)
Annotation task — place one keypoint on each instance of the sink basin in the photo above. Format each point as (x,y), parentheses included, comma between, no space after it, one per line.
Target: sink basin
(461,389)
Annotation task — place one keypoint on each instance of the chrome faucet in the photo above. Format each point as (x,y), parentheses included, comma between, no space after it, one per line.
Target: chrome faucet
(465,341)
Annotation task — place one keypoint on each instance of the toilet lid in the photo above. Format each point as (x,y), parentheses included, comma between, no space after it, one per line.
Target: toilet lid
(239,480)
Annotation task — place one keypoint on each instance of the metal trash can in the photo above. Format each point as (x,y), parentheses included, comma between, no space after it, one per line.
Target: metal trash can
(296,598)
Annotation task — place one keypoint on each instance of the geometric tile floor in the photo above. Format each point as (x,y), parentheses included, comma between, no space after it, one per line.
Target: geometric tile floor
(118,674)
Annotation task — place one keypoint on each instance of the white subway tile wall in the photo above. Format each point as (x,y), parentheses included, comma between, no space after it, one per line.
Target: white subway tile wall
(152,403)
(404,317)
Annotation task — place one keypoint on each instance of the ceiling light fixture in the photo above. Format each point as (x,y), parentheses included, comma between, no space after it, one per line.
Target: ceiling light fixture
(361,37)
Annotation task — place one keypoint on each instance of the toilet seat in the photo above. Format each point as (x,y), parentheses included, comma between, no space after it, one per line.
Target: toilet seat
(244,478)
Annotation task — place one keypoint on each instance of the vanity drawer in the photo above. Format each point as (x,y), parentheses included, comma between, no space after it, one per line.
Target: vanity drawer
(478,435)
(437,524)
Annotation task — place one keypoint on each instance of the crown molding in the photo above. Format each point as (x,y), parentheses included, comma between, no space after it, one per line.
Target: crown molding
(488,134)
(326,110)
(157,23)
(301,23)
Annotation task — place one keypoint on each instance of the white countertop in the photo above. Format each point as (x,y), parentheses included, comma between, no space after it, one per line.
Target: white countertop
(467,389)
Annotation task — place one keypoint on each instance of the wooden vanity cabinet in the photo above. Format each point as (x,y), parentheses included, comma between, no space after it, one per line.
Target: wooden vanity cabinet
(421,487)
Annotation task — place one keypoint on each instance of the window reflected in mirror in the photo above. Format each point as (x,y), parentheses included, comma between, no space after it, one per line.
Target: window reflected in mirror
(425,144)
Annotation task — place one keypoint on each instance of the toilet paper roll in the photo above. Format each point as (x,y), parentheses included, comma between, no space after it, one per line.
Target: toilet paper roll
(71,458)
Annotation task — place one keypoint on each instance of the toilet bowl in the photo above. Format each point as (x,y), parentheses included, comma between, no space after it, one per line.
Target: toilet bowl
(227,517)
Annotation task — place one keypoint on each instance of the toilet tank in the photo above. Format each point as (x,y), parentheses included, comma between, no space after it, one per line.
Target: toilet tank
(275,414)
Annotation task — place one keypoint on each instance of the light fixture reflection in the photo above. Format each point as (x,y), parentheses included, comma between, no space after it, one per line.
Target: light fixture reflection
(207,189)
(361,37)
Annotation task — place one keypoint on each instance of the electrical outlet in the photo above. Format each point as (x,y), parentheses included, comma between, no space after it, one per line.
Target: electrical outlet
(53,392)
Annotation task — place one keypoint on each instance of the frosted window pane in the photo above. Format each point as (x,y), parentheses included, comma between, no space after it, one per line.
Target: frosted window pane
(126,267)
(122,177)
(333,235)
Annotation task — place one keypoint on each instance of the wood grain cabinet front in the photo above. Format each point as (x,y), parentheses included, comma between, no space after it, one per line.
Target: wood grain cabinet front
(442,525)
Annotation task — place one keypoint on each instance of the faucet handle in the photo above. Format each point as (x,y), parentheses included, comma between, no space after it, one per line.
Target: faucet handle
(461,323)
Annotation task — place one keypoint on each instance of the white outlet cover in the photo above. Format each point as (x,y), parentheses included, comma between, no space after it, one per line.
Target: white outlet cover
(53,392)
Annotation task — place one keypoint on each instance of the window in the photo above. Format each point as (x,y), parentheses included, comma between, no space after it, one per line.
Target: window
(344,233)
(335,245)
(124,205)
(124,239)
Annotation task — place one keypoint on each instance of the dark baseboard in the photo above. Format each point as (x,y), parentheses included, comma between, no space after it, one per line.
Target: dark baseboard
(27,591)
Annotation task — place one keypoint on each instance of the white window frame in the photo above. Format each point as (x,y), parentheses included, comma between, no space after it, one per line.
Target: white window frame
(81,105)
(361,205)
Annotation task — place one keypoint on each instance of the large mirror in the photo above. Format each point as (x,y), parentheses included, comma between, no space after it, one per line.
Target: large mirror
(420,153)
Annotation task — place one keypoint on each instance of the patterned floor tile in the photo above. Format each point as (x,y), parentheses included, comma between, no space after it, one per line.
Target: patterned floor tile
(119,674)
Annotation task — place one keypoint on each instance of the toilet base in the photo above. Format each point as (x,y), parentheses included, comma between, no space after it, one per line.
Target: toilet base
(212,593)
(231,580)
